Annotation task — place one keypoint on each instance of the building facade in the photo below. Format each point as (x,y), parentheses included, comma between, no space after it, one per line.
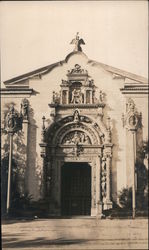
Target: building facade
(76,147)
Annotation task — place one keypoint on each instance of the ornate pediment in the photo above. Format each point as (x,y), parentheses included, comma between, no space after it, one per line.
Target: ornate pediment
(77,70)
(78,89)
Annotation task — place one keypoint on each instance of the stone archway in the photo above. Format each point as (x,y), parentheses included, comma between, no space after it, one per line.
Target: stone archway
(78,142)
(77,135)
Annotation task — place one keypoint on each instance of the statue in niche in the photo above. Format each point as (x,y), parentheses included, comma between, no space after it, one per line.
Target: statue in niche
(24,108)
(76,96)
(77,42)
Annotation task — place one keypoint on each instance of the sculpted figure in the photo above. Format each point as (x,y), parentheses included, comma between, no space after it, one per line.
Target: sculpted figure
(76,96)
(76,138)
(76,116)
(24,108)
(55,97)
(77,42)
(101,96)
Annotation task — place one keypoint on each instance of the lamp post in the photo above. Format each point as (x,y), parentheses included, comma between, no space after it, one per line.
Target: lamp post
(133,176)
(12,125)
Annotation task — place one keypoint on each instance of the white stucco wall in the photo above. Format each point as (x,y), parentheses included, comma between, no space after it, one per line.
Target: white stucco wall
(115,105)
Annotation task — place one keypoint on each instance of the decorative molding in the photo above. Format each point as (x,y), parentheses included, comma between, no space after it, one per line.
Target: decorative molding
(131,120)
(81,105)
(135,89)
(17,91)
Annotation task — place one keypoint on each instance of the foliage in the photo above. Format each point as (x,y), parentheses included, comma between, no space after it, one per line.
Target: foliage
(125,198)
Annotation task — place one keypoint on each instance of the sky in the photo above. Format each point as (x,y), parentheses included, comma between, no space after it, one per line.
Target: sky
(36,34)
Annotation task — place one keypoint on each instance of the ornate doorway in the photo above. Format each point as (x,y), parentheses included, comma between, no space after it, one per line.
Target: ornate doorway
(77,149)
(76,189)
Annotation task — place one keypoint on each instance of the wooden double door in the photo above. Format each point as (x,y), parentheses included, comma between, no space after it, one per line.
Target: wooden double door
(75,189)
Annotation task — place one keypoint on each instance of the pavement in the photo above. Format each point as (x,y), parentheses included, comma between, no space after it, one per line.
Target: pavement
(75,233)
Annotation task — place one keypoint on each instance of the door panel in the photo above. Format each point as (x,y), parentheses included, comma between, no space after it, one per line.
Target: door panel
(76,189)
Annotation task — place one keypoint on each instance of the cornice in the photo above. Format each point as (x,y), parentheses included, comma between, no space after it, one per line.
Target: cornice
(52,105)
(117,73)
(13,91)
(144,89)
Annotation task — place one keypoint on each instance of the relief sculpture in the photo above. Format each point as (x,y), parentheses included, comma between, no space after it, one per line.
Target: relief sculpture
(76,137)
(76,96)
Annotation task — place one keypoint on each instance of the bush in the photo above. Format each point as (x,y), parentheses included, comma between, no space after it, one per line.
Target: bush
(125,198)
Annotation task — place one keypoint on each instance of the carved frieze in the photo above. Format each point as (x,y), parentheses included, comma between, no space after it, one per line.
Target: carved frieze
(76,127)
(76,137)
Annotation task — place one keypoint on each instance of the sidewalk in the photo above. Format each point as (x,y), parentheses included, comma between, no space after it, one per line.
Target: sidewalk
(84,233)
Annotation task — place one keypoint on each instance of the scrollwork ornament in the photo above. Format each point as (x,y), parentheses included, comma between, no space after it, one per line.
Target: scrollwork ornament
(131,118)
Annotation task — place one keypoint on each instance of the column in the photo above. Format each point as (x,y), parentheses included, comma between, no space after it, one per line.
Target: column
(108,177)
(134,177)
(9,172)
(67,97)
(108,203)
(91,97)
(43,190)
(98,189)
(25,131)
(93,190)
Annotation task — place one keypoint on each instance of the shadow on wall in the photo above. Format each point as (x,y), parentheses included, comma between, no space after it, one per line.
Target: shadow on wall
(115,158)
(32,172)
(115,150)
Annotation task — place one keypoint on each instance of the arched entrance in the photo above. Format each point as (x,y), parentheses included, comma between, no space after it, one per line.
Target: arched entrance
(76,189)
(77,149)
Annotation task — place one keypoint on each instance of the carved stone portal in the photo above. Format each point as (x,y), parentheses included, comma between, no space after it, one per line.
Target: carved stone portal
(78,134)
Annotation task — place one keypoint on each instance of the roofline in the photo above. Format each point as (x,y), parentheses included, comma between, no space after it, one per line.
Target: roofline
(46,69)
(121,72)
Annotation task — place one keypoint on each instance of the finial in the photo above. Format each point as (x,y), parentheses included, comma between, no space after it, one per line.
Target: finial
(108,123)
(43,125)
(77,41)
